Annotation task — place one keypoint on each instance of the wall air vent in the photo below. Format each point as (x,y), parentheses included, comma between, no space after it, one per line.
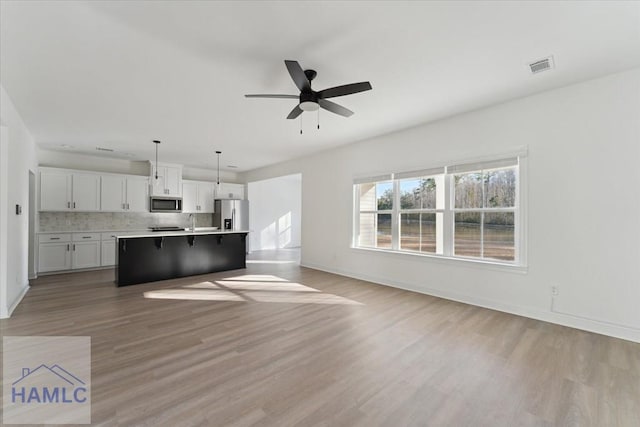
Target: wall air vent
(541,65)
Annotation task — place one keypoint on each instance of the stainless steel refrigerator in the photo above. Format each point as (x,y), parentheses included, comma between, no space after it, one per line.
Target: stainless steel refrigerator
(231,214)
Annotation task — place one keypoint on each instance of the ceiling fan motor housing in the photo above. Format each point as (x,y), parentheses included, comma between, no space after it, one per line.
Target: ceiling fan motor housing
(311,74)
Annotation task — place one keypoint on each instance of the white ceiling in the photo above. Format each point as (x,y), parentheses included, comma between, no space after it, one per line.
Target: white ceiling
(120,74)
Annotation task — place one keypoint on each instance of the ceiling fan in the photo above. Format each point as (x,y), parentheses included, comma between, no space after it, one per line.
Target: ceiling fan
(311,100)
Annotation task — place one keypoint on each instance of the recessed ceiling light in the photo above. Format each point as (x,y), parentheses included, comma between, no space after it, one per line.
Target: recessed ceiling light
(65,146)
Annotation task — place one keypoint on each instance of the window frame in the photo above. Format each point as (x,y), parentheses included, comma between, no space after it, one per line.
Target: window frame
(448,214)
(375,212)
(435,211)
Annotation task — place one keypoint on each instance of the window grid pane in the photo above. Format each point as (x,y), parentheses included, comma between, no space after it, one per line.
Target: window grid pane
(499,236)
(383,231)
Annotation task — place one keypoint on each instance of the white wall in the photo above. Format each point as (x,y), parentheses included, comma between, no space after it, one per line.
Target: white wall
(584,233)
(275,207)
(18,157)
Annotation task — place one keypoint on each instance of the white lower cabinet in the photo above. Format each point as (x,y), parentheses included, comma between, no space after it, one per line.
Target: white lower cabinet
(54,256)
(108,251)
(68,251)
(85,254)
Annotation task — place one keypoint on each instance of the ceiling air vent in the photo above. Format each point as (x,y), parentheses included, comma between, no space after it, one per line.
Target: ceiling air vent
(108,150)
(541,65)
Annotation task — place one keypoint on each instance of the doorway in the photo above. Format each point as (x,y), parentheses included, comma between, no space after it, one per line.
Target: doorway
(275,213)
(32,225)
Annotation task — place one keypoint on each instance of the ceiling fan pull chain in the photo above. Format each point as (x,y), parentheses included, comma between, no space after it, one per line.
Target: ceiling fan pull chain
(318,119)
(300,125)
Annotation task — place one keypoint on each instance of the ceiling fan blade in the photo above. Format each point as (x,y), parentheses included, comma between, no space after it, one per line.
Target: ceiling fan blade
(344,90)
(295,112)
(335,108)
(273,96)
(298,76)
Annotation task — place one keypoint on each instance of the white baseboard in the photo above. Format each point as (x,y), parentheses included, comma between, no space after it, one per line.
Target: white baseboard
(572,321)
(16,302)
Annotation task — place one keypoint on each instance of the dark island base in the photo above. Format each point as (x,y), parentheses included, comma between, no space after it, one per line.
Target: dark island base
(149,259)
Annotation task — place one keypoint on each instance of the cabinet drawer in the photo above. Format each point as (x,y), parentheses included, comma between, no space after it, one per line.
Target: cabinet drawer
(110,235)
(85,237)
(54,238)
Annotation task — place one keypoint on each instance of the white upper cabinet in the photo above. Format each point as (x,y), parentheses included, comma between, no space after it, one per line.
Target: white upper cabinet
(197,197)
(124,193)
(63,190)
(86,191)
(169,181)
(189,197)
(205,197)
(112,193)
(230,191)
(137,194)
(55,190)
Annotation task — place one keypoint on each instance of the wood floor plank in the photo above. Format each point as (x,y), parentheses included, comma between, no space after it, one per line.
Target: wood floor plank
(281,345)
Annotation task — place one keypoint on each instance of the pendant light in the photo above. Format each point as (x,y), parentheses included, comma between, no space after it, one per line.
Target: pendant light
(218,189)
(157,143)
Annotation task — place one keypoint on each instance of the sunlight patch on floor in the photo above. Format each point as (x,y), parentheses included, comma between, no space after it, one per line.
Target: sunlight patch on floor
(261,286)
(250,288)
(191,294)
(257,278)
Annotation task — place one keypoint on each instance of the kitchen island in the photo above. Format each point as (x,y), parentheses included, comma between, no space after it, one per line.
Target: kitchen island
(148,257)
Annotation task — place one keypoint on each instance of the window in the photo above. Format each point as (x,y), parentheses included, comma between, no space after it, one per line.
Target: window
(467,211)
(484,213)
(421,211)
(375,213)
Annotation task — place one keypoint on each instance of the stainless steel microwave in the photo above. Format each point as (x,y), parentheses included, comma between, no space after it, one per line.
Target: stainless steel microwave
(165,204)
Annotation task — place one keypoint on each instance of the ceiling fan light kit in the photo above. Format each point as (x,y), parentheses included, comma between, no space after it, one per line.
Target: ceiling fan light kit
(310,100)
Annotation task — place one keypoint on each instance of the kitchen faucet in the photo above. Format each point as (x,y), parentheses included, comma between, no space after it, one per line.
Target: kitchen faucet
(193,222)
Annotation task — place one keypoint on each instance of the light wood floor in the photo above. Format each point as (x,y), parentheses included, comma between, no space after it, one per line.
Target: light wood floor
(281,345)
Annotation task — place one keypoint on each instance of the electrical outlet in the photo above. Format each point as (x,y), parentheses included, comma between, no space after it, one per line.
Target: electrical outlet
(555,290)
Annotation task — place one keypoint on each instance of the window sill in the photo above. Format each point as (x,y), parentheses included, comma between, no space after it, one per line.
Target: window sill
(462,262)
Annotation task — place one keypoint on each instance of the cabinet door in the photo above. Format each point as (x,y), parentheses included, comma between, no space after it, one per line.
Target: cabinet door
(112,193)
(173,181)
(85,254)
(222,192)
(157,186)
(54,257)
(55,191)
(137,195)
(205,197)
(86,192)
(190,201)
(231,191)
(238,191)
(108,252)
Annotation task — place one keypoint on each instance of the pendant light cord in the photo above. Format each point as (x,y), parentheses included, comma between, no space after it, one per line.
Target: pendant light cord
(218,154)
(157,143)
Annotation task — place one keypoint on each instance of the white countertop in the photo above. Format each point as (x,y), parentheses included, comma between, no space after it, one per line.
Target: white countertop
(93,231)
(178,233)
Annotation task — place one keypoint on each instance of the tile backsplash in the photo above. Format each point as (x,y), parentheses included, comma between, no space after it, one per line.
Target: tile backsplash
(86,221)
